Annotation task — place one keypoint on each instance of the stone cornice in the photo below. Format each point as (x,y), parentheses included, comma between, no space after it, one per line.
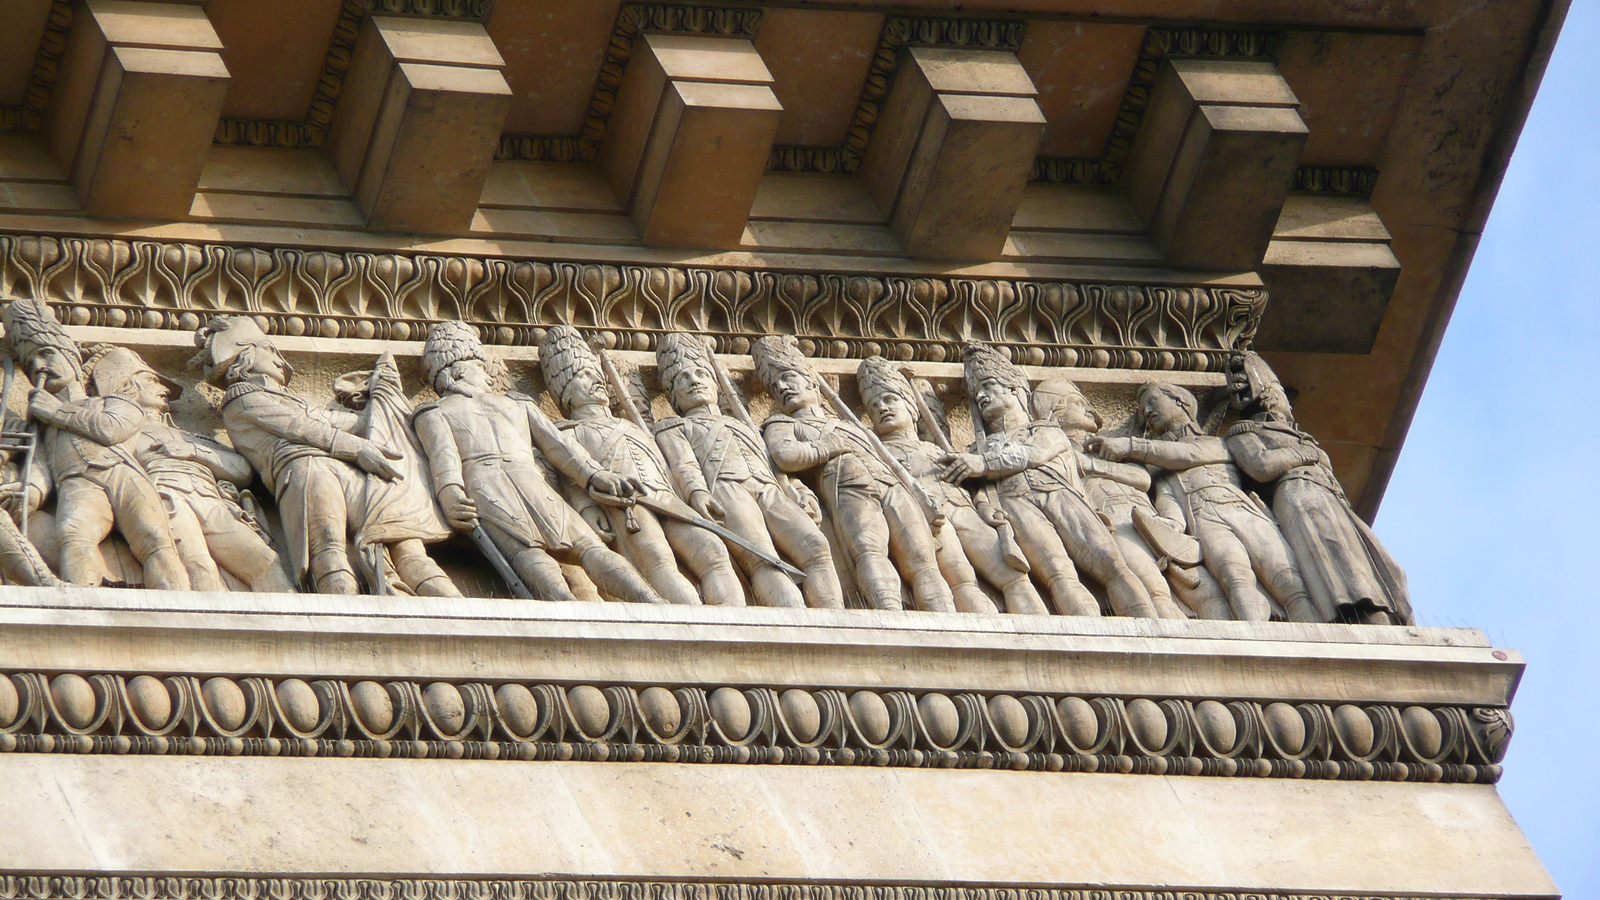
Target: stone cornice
(169,285)
(70,712)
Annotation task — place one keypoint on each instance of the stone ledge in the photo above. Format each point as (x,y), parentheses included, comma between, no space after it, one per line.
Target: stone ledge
(134,632)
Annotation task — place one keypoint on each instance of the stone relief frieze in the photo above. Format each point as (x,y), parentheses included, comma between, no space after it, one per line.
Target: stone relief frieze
(576,492)
(533,721)
(150,284)
(257,887)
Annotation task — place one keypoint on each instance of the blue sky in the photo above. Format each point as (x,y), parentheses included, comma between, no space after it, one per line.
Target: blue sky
(1494,509)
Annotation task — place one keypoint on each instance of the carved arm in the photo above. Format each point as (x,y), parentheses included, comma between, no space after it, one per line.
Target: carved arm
(1267,464)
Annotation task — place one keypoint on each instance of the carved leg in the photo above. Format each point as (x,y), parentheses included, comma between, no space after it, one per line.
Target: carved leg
(1228,560)
(649,551)
(802,541)
(313,508)
(982,544)
(1274,566)
(1095,551)
(540,572)
(770,586)
(707,557)
(860,521)
(912,544)
(190,537)
(418,570)
(959,571)
(20,561)
(1144,567)
(84,519)
(1206,598)
(143,521)
(1048,558)
(613,574)
(239,549)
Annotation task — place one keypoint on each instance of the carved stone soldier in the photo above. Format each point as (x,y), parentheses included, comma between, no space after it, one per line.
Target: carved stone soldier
(877,521)
(966,541)
(1347,571)
(1035,468)
(652,541)
(1241,544)
(481,443)
(199,479)
(1120,493)
(726,459)
(314,464)
(83,441)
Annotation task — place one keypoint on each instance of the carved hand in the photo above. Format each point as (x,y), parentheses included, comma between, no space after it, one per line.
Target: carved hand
(458,508)
(958,467)
(835,444)
(808,502)
(707,505)
(1112,448)
(11,496)
(375,458)
(610,488)
(43,405)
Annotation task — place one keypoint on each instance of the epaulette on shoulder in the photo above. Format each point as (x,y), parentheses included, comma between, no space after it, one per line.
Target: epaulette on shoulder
(1244,427)
(667,424)
(241,389)
(519,395)
(424,407)
(774,419)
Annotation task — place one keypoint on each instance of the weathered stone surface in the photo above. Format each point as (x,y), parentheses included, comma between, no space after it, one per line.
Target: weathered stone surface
(769,823)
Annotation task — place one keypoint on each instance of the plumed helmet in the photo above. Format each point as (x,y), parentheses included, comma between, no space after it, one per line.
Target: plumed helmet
(1048,394)
(223,339)
(877,376)
(30,327)
(449,343)
(563,353)
(676,351)
(1250,380)
(110,369)
(776,354)
(980,362)
(1176,393)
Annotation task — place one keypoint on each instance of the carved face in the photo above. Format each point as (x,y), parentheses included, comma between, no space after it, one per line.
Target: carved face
(471,378)
(1073,413)
(57,368)
(693,386)
(147,390)
(794,390)
(890,413)
(266,362)
(587,388)
(995,399)
(1162,414)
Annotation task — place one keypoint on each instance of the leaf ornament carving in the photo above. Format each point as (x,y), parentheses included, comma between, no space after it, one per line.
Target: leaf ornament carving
(392,296)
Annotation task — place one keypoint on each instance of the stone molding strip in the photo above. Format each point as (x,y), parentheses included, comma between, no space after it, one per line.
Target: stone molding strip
(389,296)
(278,887)
(68,712)
(270,887)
